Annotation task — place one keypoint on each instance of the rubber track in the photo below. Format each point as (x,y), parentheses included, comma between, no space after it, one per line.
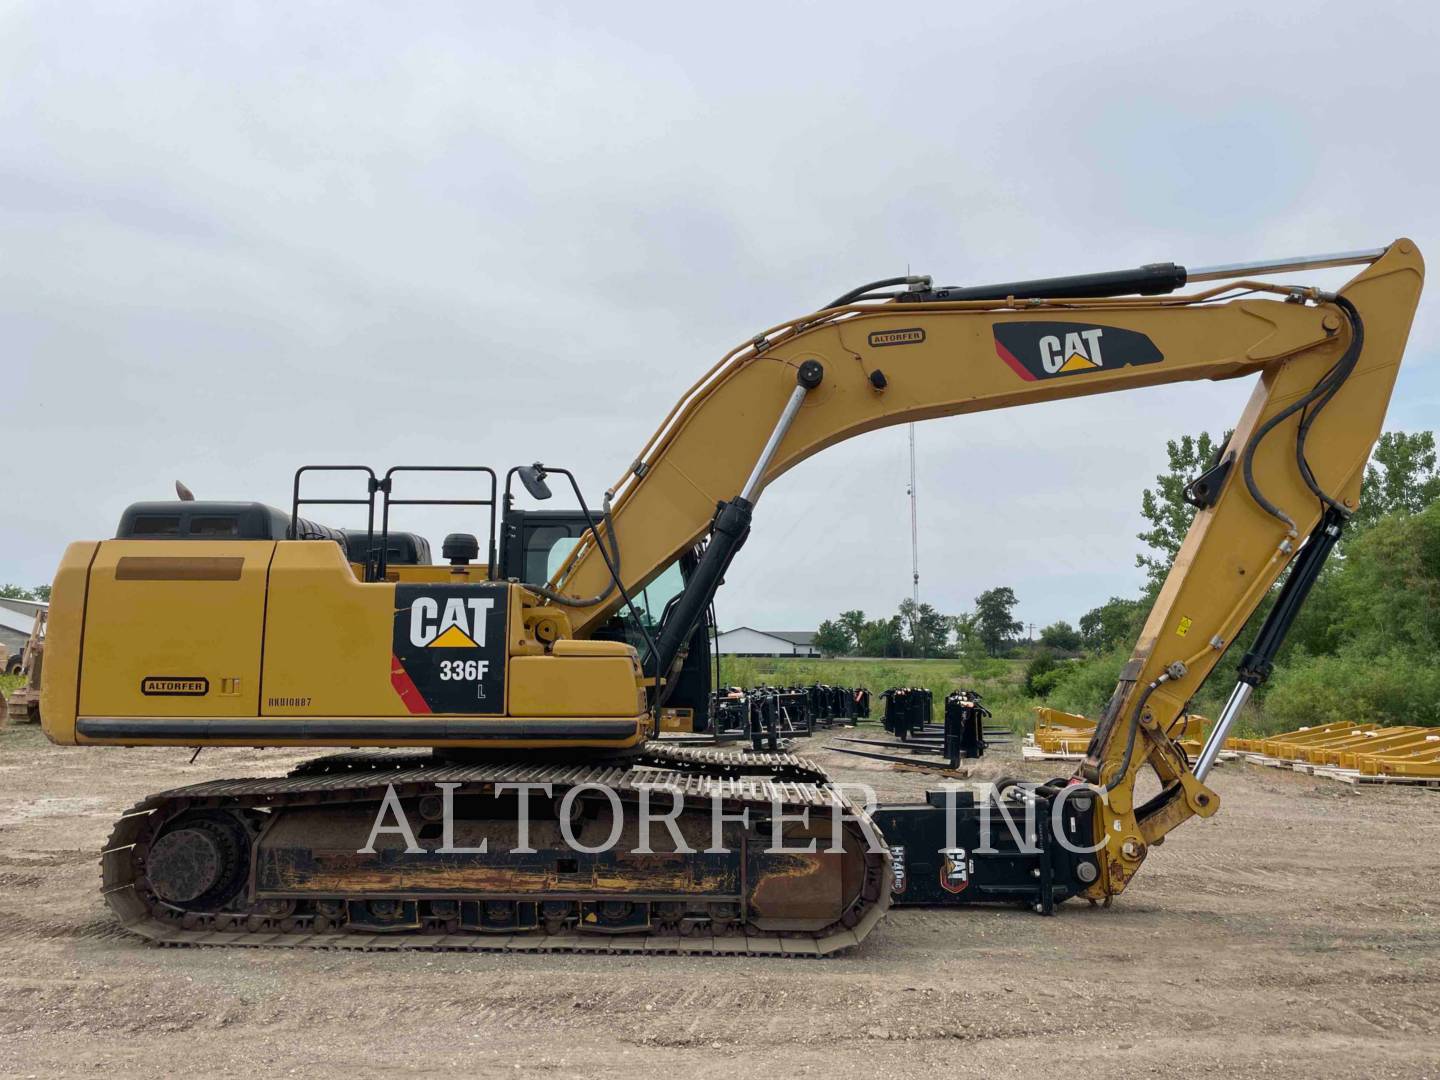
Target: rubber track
(748,778)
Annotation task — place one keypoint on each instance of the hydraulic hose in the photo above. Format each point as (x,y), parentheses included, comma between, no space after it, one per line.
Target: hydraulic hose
(613,565)
(859,292)
(1342,371)
(1318,395)
(612,557)
(1134,731)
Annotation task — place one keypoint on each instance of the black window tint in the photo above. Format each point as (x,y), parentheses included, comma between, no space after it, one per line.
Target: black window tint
(214,526)
(156,525)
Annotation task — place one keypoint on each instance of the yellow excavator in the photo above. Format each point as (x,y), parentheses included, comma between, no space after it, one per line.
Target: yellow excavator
(498,718)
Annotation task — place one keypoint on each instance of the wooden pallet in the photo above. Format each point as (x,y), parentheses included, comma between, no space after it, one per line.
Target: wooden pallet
(1030,752)
(1356,778)
(1353,777)
(1253,758)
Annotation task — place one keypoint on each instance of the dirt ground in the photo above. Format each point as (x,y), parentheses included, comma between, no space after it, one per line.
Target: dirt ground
(1297,934)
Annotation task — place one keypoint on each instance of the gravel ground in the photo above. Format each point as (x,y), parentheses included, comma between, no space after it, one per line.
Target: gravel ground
(1296,934)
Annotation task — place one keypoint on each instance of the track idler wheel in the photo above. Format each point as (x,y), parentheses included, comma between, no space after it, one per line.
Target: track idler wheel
(200,861)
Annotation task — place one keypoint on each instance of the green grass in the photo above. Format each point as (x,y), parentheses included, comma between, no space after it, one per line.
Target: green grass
(10,682)
(998,681)
(1001,682)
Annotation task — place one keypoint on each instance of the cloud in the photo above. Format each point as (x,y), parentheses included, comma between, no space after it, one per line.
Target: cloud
(241,240)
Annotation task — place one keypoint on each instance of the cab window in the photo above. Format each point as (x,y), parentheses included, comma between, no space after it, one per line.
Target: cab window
(651,600)
(547,547)
(559,551)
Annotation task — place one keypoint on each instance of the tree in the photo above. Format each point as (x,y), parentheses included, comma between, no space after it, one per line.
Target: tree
(925,629)
(1376,658)
(1164,505)
(1400,478)
(932,632)
(967,635)
(15,592)
(1061,636)
(832,639)
(1387,588)
(1042,674)
(908,614)
(41,592)
(994,622)
(854,622)
(882,637)
(1111,623)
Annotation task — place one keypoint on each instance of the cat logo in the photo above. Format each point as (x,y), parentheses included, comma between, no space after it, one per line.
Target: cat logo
(954,870)
(1043,350)
(1080,351)
(448,648)
(460,625)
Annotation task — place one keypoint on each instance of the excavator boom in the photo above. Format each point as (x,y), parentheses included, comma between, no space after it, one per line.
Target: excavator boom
(899,362)
(1289,477)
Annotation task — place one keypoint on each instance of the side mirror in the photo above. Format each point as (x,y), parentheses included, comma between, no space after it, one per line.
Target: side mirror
(533,477)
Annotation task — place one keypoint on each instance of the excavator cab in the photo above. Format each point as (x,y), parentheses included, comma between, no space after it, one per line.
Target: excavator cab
(534,544)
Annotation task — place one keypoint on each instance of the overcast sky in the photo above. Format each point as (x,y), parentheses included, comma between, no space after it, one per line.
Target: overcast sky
(241,239)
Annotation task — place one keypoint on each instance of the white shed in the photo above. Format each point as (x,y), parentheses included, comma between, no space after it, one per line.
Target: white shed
(15,628)
(746,641)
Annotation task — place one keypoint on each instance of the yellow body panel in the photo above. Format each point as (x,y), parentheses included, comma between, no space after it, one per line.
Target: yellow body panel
(265,633)
(577,685)
(60,678)
(436,575)
(163,611)
(327,637)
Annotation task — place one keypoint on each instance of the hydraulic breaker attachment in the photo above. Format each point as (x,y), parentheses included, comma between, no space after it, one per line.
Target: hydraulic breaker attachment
(1023,845)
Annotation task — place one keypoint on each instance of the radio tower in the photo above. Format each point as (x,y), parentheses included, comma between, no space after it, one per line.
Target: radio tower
(914,530)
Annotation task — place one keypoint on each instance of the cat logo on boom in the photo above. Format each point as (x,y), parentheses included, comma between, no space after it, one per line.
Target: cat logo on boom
(1045,350)
(1080,351)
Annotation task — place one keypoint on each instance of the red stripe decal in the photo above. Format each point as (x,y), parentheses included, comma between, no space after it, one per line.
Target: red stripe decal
(1015,365)
(405,687)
